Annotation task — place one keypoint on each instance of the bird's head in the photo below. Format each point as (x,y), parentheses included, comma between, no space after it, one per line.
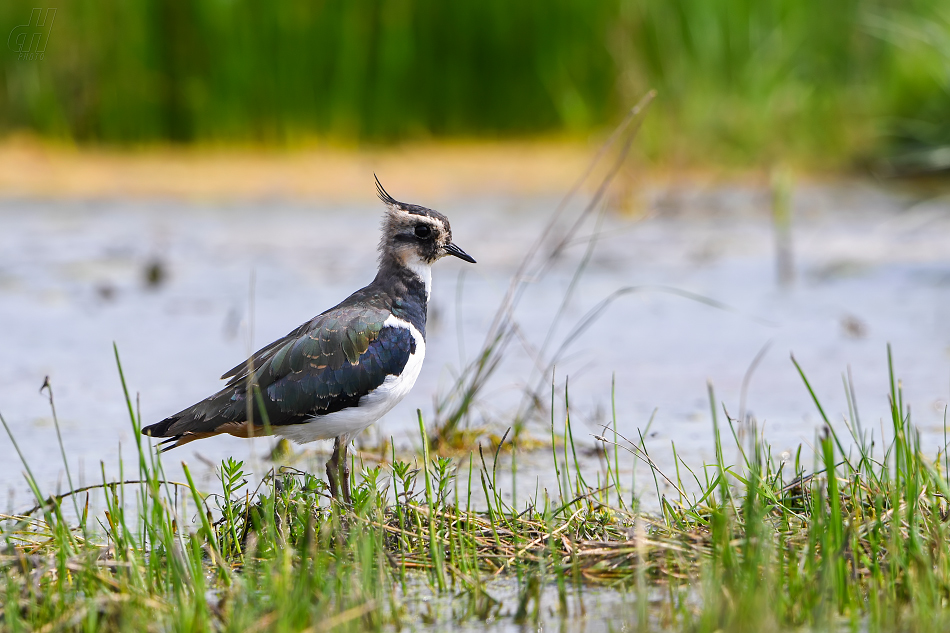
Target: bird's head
(414,235)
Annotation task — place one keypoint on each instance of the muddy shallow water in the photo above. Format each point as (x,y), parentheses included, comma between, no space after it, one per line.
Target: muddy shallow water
(872,267)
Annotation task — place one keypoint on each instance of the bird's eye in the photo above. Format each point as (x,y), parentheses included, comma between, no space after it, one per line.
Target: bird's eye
(423,231)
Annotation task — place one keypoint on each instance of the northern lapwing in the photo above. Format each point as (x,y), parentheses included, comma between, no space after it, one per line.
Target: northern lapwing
(340,372)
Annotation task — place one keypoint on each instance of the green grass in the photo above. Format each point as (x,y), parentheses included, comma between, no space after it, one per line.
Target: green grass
(739,82)
(277,72)
(811,82)
(852,537)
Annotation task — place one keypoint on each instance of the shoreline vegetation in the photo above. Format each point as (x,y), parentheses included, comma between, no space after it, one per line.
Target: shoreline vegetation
(36,168)
(852,536)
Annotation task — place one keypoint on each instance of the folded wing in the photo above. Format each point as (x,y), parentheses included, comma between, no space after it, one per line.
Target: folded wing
(323,366)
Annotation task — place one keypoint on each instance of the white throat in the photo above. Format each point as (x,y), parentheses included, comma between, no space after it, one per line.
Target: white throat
(423,271)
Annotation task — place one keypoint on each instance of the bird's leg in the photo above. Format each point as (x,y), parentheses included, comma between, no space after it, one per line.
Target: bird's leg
(338,471)
(345,472)
(333,469)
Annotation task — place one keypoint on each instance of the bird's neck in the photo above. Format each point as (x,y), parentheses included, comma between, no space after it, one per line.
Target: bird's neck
(422,270)
(407,284)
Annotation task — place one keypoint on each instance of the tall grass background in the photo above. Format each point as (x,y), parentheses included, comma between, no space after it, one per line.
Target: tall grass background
(738,81)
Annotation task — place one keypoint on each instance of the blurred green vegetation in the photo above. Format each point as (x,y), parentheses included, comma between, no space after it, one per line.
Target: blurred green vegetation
(827,83)
(739,81)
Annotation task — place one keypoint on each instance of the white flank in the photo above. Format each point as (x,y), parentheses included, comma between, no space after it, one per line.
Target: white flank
(377,403)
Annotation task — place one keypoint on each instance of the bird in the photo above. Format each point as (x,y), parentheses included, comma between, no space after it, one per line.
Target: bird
(342,370)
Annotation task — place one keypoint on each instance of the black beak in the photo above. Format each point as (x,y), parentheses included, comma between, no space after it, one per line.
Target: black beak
(452,249)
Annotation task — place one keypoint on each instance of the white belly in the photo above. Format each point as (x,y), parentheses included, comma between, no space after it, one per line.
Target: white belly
(349,422)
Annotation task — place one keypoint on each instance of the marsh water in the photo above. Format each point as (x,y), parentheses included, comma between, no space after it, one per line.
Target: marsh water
(185,290)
